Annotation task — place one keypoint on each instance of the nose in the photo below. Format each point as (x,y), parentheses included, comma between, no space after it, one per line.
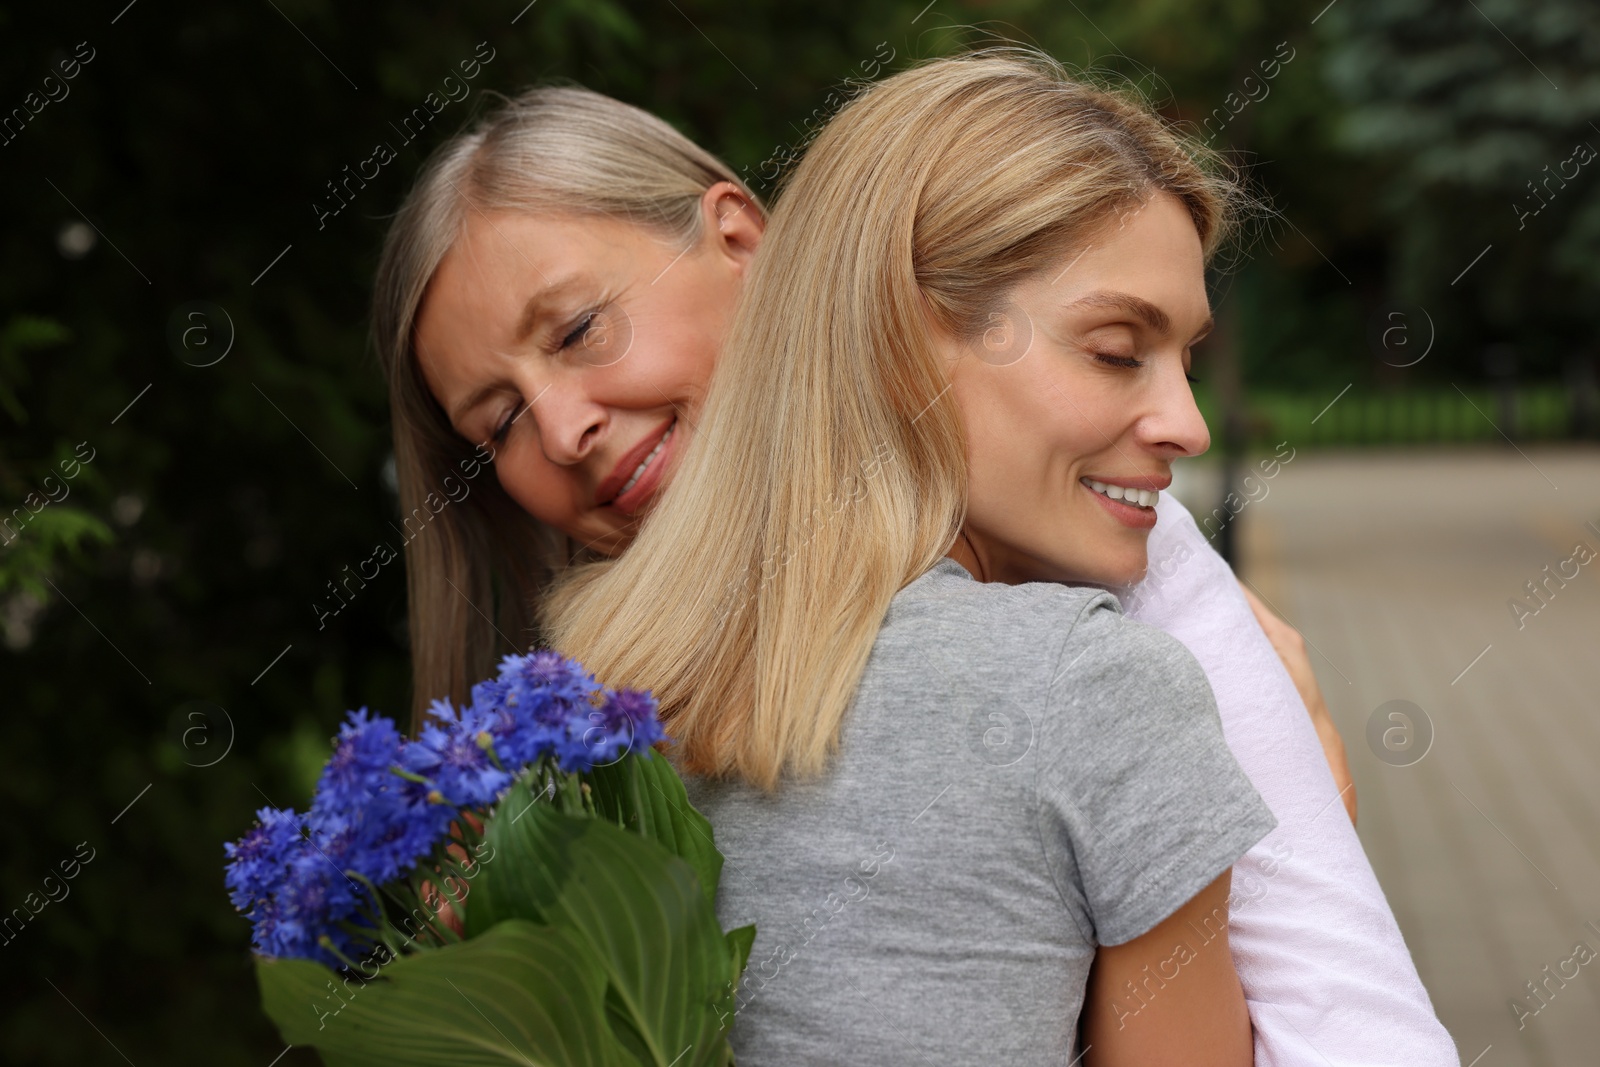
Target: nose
(1173,425)
(568,419)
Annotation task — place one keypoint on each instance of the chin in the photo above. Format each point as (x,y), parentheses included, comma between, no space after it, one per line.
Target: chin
(1111,570)
(1121,571)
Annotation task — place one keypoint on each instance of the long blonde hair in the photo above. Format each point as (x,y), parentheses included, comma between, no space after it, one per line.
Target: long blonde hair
(476,565)
(829,470)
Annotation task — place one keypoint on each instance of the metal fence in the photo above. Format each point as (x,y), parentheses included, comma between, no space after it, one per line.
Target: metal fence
(1418,416)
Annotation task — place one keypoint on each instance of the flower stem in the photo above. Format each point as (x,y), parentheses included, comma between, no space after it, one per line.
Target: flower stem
(327,942)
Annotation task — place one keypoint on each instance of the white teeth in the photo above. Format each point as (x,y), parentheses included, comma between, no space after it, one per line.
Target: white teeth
(654,452)
(1144,498)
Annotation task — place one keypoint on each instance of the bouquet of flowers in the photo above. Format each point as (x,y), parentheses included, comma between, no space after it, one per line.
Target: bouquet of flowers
(522,883)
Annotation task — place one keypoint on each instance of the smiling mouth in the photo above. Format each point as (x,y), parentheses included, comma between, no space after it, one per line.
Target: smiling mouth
(638,472)
(644,466)
(1139,498)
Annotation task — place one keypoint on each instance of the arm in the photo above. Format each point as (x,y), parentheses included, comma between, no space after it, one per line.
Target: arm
(1188,1009)
(1291,649)
(1326,972)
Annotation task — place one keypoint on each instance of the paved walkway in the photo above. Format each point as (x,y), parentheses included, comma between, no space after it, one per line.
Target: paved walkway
(1397,567)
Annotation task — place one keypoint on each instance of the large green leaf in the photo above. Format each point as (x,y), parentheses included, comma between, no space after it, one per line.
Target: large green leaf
(645,795)
(518,993)
(640,909)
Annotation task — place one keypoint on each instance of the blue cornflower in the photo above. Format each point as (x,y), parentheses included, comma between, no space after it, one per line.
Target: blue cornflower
(518,738)
(291,888)
(450,754)
(638,707)
(383,804)
(365,817)
(314,900)
(383,837)
(367,747)
(550,673)
(600,734)
(529,706)
(258,863)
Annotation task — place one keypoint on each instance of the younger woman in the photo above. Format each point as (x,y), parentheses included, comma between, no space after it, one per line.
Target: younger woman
(1032,774)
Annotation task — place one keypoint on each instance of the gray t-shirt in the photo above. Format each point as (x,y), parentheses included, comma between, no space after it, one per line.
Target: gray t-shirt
(1023,774)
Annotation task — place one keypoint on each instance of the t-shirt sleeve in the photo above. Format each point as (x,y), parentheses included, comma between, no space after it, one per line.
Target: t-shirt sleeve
(1141,803)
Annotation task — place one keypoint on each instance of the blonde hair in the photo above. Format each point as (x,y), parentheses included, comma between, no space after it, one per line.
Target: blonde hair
(477,565)
(751,598)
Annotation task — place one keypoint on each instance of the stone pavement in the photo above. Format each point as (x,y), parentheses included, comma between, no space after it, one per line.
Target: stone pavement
(1398,567)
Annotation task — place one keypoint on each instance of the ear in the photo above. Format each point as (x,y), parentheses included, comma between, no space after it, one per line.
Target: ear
(733,223)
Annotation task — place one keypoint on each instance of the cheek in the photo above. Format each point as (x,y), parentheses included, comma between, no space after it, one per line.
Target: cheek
(1044,416)
(668,365)
(1013,453)
(685,328)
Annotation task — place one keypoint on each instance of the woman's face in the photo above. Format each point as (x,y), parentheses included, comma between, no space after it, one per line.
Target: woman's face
(579,348)
(1082,383)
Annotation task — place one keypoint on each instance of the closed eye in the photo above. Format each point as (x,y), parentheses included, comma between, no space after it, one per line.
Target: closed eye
(1130,363)
(505,424)
(579,330)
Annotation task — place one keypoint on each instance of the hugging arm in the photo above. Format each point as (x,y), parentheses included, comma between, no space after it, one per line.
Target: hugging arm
(1326,973)
(1168,998)
(1291,649)
(1144,811)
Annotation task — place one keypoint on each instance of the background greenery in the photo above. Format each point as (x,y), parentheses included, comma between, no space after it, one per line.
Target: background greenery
(142,613)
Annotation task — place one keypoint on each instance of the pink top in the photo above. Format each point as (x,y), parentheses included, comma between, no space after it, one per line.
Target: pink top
(1325,970)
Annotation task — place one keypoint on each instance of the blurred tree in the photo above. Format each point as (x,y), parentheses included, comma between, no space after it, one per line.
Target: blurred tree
(1481,115)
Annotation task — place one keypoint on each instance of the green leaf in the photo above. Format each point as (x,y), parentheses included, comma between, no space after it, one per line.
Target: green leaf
(645,795)
(20,334)
(739,942)
(517,994)
(641,910)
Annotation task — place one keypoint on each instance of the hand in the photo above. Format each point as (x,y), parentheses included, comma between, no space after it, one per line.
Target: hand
(1291,649)
(442,905)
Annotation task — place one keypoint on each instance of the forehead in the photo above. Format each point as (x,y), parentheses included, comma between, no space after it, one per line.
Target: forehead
(499,261)
(1152,247)
(501,247)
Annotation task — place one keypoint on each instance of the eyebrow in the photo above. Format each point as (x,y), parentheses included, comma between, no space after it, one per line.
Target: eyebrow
(532,309)
(473,401)
(1138,307)
(535,305)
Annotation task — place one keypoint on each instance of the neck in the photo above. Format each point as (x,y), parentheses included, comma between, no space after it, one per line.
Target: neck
(963,552)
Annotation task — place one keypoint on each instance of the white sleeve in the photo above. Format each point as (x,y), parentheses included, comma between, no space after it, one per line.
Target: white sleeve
(1325,970)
